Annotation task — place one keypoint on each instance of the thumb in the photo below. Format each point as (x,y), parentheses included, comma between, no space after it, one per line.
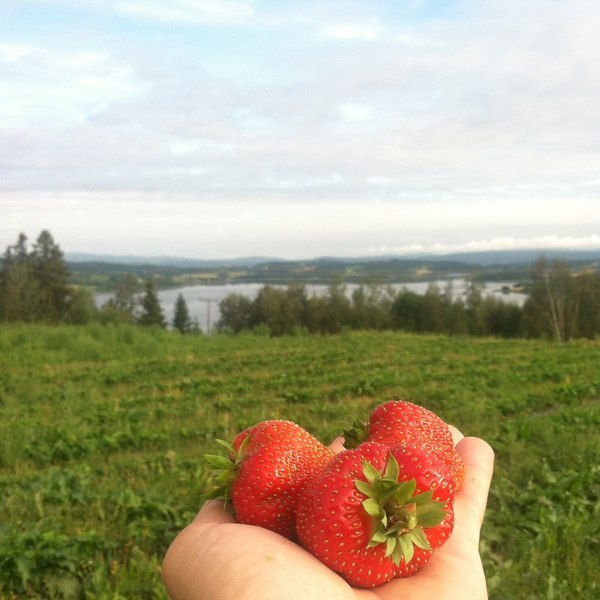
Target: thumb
(471,499)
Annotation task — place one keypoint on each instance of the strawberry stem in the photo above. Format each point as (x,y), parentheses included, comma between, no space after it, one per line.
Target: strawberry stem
(225,470)
(400,517)
(355,435)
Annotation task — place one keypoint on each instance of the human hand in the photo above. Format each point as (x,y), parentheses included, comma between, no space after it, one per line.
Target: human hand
(216,558)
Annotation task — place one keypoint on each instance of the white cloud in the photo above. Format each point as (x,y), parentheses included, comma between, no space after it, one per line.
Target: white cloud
(591,242)
(391,132)
(355,31)
(12,53)
(219,225)
(186,11)
(357,112)
(44,84)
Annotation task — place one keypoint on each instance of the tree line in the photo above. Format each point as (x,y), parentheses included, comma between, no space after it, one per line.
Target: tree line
(129,305)
(34,283)
(562,304)
(34,287)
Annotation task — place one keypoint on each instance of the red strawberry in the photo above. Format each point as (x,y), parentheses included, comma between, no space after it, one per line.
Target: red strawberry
(399,421)
(430,473)
(371,518)
(268,468)
(434,475)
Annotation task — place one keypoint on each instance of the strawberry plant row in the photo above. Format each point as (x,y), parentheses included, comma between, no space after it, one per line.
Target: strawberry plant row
(103,429)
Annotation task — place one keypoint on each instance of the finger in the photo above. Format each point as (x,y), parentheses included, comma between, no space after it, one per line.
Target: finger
(337,445)
(180,566)
(471,500)
(457,436)
(214,511)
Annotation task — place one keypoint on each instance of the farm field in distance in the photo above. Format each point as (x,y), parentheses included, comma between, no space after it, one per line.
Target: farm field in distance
(103,429)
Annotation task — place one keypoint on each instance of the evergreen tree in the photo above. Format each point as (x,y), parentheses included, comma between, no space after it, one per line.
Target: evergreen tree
(34,285)
(152,313)
(52,275)
(181,317)
(19,294)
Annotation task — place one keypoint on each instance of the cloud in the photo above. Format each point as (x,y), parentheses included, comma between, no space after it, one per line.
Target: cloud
(355,31)
(220,225)
(45,85)
(12,53)
(170,11)
(186,11)
(591,242)
(357,112)
(393,123)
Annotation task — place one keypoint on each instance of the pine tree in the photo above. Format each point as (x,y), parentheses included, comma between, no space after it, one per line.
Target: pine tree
(52,275)
(34,286)
(181,317)
(19,289)
(152,313)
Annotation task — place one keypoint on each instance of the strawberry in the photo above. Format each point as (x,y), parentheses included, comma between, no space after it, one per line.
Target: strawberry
(376,513)
(268,467)
(399,421)
(433,474)
(427,468)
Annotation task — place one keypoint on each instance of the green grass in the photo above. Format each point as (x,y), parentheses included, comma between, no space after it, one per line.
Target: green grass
(102,430)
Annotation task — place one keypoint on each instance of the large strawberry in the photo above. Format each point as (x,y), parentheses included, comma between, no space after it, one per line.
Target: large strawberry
(401,422)
(268,467)
(376,513)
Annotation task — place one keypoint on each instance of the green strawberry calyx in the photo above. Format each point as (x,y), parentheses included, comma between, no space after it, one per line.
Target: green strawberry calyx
(356,435)
(401,517)
(225,469)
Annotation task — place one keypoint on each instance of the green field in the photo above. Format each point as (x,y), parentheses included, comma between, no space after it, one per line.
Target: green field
(102,430)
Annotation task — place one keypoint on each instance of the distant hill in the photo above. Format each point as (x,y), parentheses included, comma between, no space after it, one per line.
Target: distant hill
(492,257)
(513,257)
(103,272)
(167,261)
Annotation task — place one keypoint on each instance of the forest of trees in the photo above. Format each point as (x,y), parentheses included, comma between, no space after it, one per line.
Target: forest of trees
(34,283)
(130,305)
(563,304)
(34,287)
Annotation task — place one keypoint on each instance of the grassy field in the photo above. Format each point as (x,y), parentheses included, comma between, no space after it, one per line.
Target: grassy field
(102,430)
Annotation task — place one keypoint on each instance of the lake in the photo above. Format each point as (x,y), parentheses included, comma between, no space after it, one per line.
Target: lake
(203,300)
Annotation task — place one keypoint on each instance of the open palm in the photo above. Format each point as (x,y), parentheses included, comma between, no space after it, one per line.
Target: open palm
(216,558)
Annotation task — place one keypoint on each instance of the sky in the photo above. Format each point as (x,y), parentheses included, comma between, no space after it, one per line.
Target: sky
(298,129)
